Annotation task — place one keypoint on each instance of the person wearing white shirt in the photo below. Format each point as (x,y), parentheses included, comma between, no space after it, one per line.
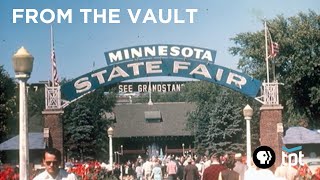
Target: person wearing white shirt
(51,161)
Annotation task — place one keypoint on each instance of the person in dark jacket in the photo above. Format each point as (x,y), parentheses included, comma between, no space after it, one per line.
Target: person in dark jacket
(180,167)
(191,171)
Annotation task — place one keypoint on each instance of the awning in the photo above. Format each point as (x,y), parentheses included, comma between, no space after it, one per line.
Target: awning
(36,141)
(301,135)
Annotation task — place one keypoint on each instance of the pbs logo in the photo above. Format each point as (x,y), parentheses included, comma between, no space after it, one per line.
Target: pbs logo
(264,157)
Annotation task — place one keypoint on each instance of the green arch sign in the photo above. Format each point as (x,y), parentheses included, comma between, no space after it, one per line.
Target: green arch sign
(160,60)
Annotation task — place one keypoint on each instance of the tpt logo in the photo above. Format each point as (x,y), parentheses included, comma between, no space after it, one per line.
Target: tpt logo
(293,158)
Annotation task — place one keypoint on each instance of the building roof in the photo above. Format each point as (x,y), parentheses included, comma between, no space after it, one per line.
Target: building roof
(36,141)
(131,120)
(301,135)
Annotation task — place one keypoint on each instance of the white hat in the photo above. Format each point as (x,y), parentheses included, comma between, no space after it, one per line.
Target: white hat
(237,155)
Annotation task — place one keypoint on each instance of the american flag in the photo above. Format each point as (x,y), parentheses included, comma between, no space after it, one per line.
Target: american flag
(54,72)
(274,49)
(273,46)
(55,79)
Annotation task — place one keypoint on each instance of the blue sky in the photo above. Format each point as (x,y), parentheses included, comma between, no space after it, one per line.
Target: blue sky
(78,45)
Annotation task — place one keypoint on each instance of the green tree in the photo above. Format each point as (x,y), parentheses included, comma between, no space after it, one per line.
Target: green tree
(36,101)
(36,104)
(80,132)
(7,102)
(85,125)
(217,122)
(225,124)
(297,65)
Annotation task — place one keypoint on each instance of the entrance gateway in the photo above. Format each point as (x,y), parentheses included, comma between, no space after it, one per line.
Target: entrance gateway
(160,60)
(168,60)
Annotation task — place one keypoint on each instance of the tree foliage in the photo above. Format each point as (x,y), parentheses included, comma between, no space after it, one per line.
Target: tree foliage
(36,101)
(7,102)
(217,121)
(80,131)
(297,65)
(85,126)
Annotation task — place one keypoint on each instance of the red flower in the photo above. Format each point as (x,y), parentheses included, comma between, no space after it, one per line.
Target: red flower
(317,173)
(8,173)
(87,171)
(304,171)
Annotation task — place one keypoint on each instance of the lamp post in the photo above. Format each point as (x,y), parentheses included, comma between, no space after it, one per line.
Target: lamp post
(182,149)
(22,63)
(110,133)
(115,156)
(121,153)
(247,113)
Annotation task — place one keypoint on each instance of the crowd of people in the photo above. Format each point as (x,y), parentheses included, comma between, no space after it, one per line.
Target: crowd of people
(214,167)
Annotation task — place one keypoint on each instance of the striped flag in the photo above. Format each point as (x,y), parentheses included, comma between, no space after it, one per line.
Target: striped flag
(55,79)
(54,72)
(274,49)
(273,46)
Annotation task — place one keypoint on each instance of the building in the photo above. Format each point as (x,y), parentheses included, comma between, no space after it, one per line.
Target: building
(152,130)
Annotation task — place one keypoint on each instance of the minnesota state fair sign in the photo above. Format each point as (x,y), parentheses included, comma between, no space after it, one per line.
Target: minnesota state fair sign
(176,52)
(160,60)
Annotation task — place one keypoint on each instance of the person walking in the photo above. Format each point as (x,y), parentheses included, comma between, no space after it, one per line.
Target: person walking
(156,171)
(191,171)
(239,166)
(172,169)
(180,166)
(139,171)
(212,172)
(147,169)
(229,174)
(51,161)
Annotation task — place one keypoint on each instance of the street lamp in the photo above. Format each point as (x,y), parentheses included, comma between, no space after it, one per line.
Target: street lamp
(182,149)
(22,62)
(120,153)
(110,133)
(247,113)
(115,156)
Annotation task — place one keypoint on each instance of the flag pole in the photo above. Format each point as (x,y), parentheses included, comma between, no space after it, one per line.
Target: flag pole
(274,70)
(51,51)
(150,91)
(266,46)
(272,55)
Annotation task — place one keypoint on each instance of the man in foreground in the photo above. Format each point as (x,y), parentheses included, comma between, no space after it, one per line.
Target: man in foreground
(51,161)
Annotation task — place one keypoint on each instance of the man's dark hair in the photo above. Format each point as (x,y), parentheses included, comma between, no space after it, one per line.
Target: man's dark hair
(230,163)
(53,151)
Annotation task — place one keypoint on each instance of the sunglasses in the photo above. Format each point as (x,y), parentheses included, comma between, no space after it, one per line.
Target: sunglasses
(54,163)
